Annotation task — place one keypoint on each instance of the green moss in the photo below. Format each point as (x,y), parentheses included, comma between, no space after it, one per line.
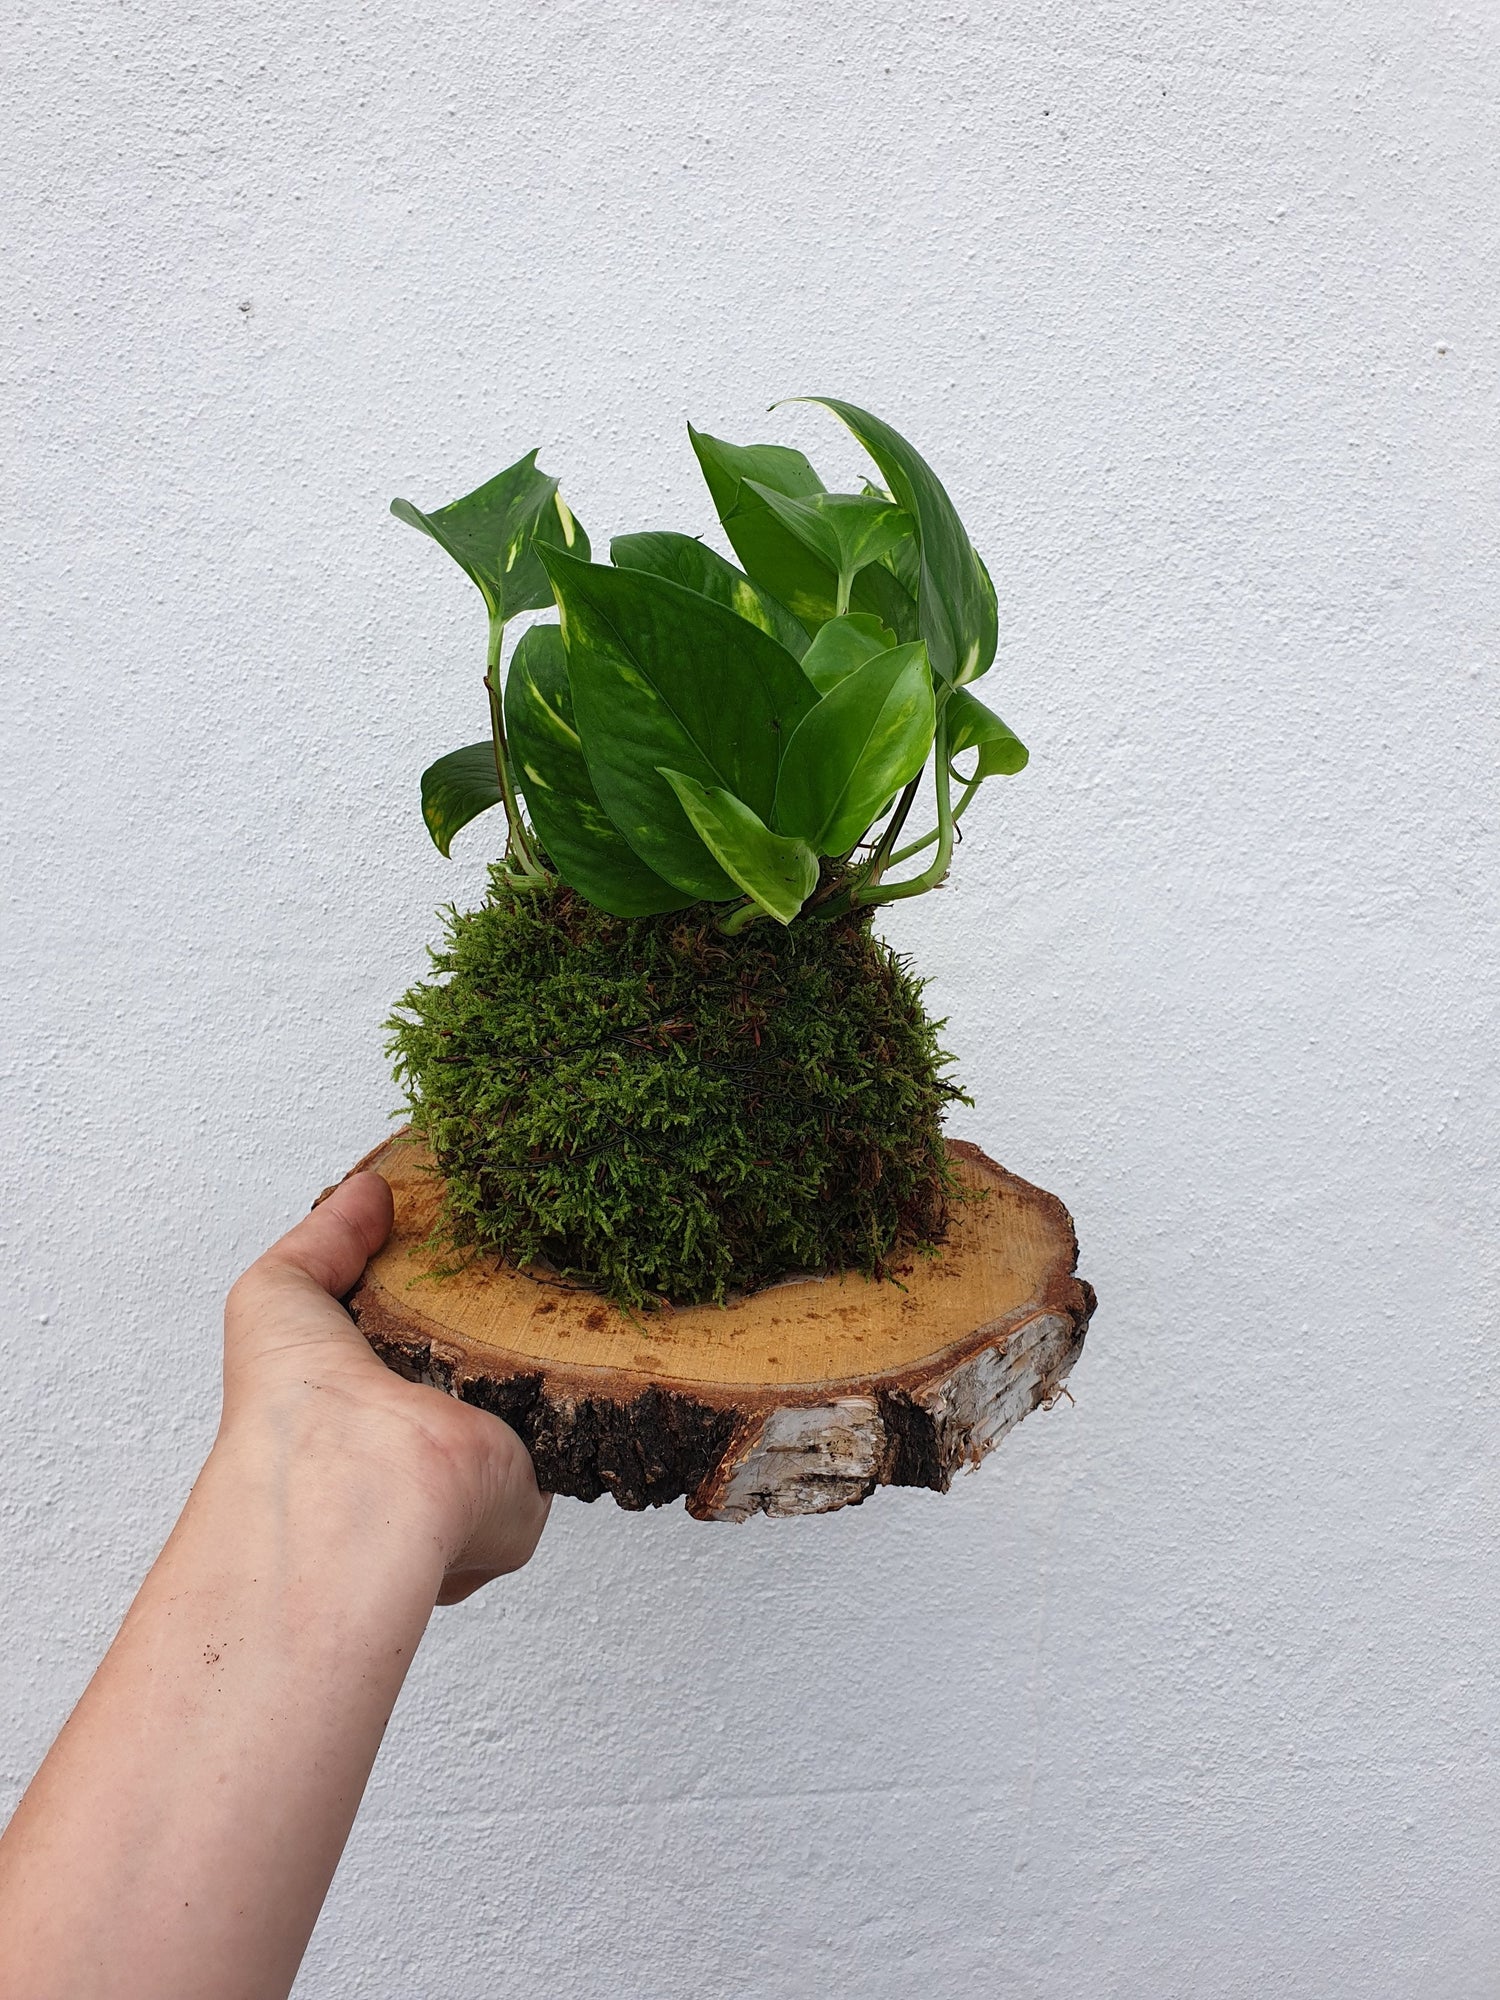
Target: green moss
(660,1111)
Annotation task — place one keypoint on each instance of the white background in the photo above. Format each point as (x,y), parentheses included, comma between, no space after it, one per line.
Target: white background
(1191,1691)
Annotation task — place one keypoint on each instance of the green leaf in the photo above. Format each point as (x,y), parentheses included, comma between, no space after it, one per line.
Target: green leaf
(458,788)
(904,561)
(842,645)
(581,839)
(492,533)
(971,725)
(771,553)
(664,676)
(955,599)
(776,873)
(866,738)
(848,531)
(726,465)
(687,561)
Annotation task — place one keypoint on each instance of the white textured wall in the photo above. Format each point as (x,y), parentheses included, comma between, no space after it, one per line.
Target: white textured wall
(1191,1691)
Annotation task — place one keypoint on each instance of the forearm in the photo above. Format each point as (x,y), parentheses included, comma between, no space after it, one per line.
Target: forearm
(179,1839)
(181,1835)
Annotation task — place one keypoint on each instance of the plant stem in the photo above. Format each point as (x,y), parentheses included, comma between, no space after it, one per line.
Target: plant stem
(834,898)
(846,584)
(914,847)
(833,901)
(931,877)
(517,842)
(880,860)
(740,917)
(971,786)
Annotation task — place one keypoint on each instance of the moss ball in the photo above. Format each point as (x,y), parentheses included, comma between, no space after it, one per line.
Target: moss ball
(665,1113)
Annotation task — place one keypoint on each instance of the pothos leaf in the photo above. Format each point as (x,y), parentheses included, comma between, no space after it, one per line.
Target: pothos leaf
(973,726)
(956,600)
(662,676)
(688,561)
(848,531)
(904,561)
(458,788)
(842,645)
(583,842)
(771,553)
(867,737)
(777,873)
(492,534)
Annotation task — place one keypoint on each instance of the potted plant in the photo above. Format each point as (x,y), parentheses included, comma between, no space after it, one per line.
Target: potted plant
(675,1198)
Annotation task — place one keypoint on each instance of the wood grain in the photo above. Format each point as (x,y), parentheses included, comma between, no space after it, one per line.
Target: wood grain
(796,1399)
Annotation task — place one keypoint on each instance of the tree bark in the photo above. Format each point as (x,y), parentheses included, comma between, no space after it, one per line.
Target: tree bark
(797,1399)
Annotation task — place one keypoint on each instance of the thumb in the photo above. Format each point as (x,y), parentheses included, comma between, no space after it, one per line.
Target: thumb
(333,1244)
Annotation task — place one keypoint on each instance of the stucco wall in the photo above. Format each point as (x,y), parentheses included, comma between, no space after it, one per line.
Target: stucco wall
(1191,1690)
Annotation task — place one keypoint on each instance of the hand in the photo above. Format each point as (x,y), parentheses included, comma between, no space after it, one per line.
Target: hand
(297,1369)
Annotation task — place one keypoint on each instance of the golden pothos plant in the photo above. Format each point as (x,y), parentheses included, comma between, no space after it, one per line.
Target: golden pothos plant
(692,731)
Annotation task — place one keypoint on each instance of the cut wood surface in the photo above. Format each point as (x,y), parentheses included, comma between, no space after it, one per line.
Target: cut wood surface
(796,1399)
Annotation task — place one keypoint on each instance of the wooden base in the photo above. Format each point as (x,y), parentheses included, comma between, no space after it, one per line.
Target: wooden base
(795,1400)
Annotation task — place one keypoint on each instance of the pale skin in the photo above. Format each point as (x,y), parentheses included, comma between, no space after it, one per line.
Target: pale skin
(182,1832)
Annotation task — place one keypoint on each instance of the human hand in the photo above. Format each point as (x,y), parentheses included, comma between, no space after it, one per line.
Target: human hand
(298,1373)
(182,1832)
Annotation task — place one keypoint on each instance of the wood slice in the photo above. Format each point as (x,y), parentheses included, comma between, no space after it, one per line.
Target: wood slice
(793,1400)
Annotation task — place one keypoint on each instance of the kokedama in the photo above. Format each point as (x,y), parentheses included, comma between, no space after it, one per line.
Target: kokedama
(676,1110)
(668,1058)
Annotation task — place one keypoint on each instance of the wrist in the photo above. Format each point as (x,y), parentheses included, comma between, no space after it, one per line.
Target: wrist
(340,1461)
